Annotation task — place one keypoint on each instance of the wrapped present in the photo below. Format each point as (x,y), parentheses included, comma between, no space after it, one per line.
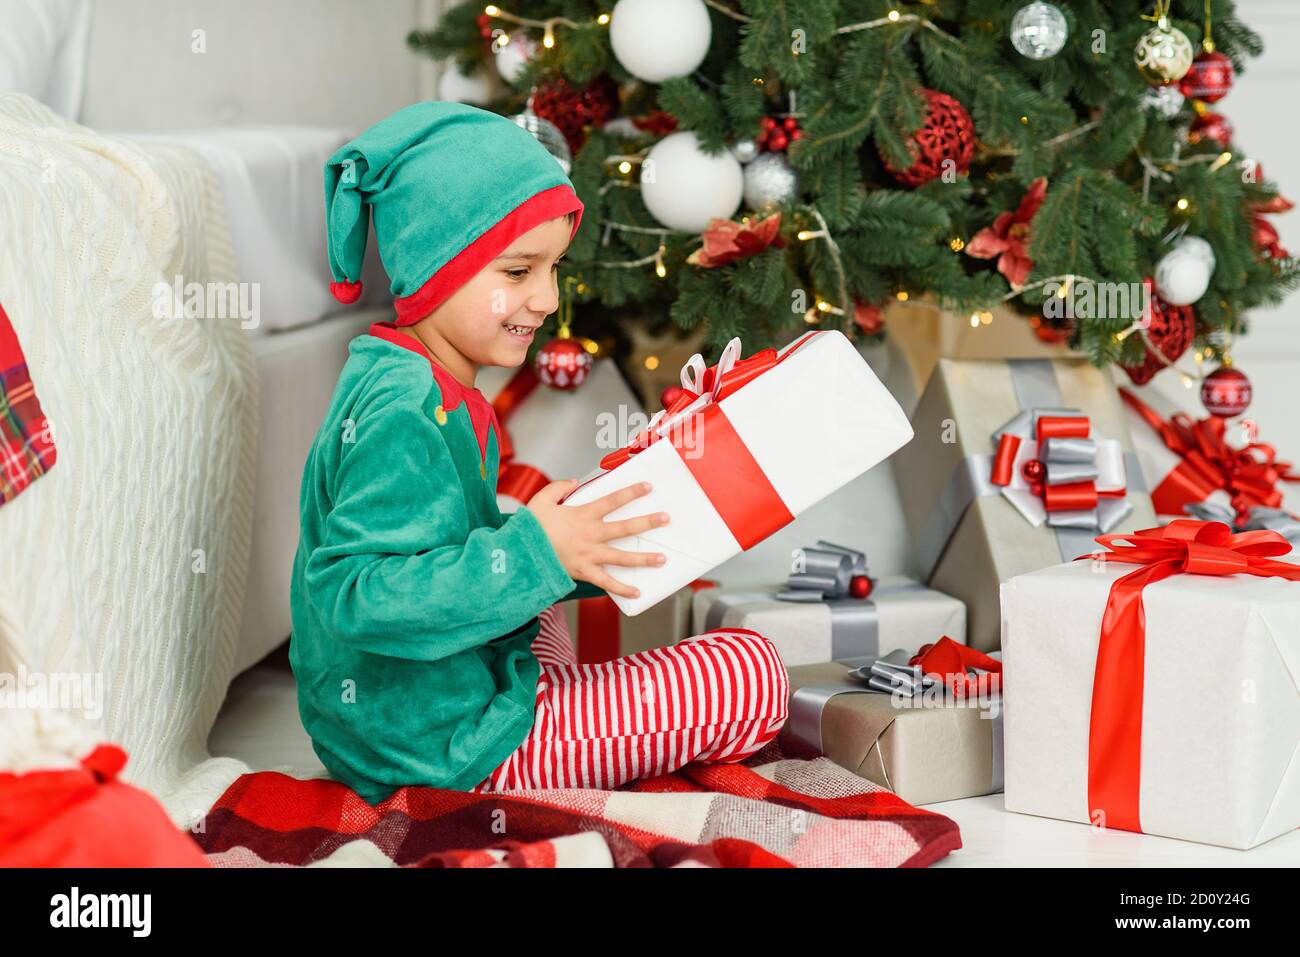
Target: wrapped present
(1016,465)
(1163,698)
(748,445)
(831,610)
(602,633)
(547,434)
(1193,468)
(899,726)
(922,334)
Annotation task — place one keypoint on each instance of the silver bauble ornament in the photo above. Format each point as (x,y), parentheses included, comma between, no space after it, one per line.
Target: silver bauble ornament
(1164,101)
(549,135)
(745,151)
(769,180)
(1038,31)
(1163,54)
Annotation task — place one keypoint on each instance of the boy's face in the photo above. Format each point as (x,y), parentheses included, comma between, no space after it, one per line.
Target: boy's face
(492,319)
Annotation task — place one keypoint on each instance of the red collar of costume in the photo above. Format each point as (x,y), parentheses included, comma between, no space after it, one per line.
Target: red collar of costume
(481,413)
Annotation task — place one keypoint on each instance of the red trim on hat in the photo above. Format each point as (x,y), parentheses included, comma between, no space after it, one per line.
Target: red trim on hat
(481,413)
(465,265)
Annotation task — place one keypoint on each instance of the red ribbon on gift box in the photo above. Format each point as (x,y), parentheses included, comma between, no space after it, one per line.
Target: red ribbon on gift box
(727,473)
(1249,475)
(1183,547)
(515,479)
(948,662)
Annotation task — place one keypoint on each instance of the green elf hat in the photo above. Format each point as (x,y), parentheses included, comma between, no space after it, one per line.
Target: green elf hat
(451,187)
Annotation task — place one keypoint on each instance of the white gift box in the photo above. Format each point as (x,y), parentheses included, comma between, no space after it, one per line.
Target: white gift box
(738,463)
(1220,730)
(900,615)
(560,433)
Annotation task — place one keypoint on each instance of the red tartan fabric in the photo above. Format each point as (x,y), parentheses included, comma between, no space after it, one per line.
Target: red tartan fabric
(26,448)
(766,812)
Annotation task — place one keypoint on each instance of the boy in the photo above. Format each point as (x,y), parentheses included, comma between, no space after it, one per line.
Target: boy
(420,613)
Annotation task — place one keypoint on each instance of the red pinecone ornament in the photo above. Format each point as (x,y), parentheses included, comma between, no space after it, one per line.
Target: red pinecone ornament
(946,134)
(1171,330)
(573,111)
(1209,79)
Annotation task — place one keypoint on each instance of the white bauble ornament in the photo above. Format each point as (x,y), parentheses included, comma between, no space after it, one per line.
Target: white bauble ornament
(1164,101)
(683,187)
(514,56)
(769,180)
(475,89)
(1198,247)
(1181,277)
(656,40)
(1038,31)
(1163,54)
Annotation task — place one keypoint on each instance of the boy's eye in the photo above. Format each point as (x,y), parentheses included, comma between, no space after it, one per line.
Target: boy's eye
(522,271)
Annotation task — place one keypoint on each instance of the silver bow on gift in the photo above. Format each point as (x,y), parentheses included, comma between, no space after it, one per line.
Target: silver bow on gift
(1257,518)
(826,576)
(1066,460)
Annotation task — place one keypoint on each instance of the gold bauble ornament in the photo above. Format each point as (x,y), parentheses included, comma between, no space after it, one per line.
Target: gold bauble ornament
(1163,54)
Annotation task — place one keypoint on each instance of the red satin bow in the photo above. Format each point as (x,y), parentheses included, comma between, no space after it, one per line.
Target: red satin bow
(948,661)
(1249,474)
(1184,546)
(741,373)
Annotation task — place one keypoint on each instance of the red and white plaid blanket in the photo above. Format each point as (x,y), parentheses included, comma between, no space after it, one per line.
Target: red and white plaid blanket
(26,449)
(769,811)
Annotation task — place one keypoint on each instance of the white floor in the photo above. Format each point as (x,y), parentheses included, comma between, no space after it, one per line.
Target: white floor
(259,725)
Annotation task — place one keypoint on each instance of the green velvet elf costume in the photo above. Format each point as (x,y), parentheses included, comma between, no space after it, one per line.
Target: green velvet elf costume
(415,603)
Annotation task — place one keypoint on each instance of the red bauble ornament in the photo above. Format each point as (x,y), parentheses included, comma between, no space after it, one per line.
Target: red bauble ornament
(775,135)
(573,111)
(563,363)
(946,135)
(1171,330)
(1209,79)
(860,586)
(1034,471)
(1226,392)
(1210,126)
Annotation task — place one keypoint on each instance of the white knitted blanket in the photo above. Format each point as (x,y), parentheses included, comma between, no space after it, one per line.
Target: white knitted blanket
(126,563)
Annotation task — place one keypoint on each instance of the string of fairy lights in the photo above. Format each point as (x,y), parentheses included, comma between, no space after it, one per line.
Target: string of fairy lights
(625,164)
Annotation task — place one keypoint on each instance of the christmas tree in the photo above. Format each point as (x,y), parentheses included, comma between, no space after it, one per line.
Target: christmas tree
(755,166)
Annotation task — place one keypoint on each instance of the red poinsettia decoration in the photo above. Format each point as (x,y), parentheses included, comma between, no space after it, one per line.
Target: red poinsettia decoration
(1263,232)
(726,241)
(1008,237)
(868,317)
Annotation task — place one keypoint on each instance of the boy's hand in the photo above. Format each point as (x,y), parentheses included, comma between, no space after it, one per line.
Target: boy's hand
(578,533)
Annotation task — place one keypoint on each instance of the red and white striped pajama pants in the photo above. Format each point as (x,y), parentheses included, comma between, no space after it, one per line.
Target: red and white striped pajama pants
(717,696)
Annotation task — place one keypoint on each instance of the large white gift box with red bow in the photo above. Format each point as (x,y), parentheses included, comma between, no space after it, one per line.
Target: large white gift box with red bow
(749,445)
(1158,694)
